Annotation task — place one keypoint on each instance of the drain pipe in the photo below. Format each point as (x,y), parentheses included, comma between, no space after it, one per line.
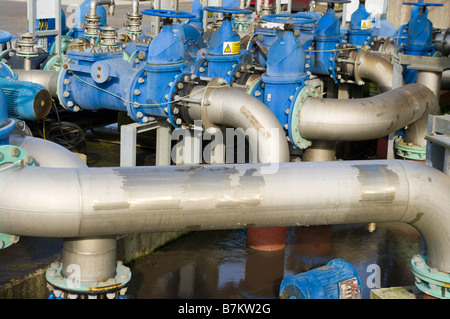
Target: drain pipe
(234,108)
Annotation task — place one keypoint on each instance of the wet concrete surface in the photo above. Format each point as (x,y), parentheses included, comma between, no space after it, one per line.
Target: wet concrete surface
(218,264)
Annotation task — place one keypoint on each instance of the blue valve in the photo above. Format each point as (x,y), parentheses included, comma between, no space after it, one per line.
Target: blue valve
(227,10)
(295,19)
(5,36)
(171,14)
(223,57)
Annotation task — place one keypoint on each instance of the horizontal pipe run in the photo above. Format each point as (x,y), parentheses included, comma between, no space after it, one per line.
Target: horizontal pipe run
(79,202)
(47,79)
(366,118)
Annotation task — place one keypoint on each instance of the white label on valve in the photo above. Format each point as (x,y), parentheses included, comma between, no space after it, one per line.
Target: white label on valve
(231,47)
(365,24)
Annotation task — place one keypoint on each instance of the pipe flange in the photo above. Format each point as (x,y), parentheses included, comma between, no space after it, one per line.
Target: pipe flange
(26,46)
(108,36)
(431,281)
(179,112)
(72,287)
(7,240)
(11,155)
(409,150)
(294,118)
(215,83)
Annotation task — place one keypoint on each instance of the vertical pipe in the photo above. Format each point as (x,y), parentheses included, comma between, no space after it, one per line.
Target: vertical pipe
(93,259)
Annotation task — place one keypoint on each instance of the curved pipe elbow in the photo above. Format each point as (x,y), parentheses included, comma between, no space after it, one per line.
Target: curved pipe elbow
(366,118)
(95,3)
(235,108)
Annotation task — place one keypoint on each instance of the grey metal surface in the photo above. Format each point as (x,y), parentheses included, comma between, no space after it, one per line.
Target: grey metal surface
(104,201)
(367,118)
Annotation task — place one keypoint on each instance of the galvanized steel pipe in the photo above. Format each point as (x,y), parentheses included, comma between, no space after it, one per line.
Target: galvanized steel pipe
(94,3)
(367,118)
(80,202)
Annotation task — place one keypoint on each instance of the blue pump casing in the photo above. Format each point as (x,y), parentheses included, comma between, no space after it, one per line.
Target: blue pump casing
(336,280)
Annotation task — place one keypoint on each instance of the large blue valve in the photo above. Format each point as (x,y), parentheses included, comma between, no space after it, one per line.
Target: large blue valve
(223,56)
(419,39)
(360,26)
(321,52)
(285,76)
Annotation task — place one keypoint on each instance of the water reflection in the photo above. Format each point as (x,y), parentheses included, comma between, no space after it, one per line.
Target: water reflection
(218,264)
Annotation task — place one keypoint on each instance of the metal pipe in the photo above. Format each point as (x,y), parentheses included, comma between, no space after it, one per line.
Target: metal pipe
(416,132)
(74,202)
(373,67)
(46,153)
(94,3)
(320,151)
(95,258)
(47,79)
(236,109)
(135,7)
(367,118)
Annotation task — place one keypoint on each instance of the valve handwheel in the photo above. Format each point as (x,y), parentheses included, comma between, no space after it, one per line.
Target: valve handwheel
(228,10)
(171,14)
(5,36)
(295,19)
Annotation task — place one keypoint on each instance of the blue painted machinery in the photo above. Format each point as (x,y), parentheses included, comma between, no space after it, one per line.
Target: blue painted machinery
(419,40)
(322,51)
(338,279)
(282,87)
(223,56)
(99,77)
(360,30)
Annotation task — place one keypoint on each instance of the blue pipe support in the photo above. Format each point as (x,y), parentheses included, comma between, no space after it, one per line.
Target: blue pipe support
(26,100)
(338,279)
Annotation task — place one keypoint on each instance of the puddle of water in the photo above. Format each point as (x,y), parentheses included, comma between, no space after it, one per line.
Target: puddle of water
(218,264)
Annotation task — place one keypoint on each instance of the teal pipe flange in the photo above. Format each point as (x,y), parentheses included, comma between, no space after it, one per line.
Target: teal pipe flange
(7,240)
(431,281)
(294,132)
(74,286)
(11,155)
(409,150)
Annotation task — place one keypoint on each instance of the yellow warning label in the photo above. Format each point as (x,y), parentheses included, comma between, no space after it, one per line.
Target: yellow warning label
(365,24)
(231,47)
